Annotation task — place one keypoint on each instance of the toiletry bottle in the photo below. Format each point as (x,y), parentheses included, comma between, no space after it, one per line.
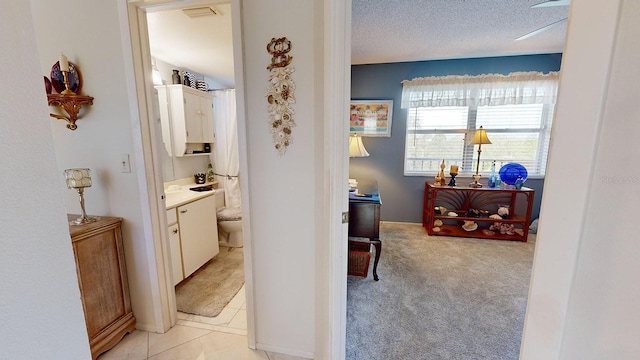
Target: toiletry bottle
(175,77)
(492,175)
(210,174)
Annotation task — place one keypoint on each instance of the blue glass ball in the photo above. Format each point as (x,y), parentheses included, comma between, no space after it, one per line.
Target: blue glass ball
(510,172)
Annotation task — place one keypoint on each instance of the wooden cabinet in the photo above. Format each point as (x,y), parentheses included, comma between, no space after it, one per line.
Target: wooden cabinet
(459,199)
(198,233)
(102,278)
(364,223)
(186,116)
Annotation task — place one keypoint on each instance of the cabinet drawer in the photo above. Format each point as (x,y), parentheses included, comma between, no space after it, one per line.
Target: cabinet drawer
(172,218)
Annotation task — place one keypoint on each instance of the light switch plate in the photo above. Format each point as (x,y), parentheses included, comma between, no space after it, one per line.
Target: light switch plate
(125,165)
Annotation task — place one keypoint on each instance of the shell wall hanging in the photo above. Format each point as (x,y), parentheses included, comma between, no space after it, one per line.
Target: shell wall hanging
(280,94)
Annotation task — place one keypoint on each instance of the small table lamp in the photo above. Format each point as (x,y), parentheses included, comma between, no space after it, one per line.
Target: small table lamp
(479,138)
(356,147)
(79,179)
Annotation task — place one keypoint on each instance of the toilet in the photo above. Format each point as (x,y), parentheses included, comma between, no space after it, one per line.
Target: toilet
(229,223)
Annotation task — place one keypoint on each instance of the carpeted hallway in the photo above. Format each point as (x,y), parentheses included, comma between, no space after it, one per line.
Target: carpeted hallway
(439,298)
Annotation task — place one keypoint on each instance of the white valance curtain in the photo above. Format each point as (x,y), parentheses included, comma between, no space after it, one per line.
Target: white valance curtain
(481,90)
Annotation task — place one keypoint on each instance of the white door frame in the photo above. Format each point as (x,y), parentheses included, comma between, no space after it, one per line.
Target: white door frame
(337,95)
(337,62)
(162,287)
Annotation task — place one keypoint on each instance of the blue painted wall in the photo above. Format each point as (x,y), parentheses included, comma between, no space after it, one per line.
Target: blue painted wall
(402,196)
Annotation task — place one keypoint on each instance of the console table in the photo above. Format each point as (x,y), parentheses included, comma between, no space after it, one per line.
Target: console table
(364,220)
(102,277)
(459,199)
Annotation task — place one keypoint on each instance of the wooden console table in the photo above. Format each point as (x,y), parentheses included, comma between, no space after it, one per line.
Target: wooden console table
(364,220)
(459,199)
(102,276)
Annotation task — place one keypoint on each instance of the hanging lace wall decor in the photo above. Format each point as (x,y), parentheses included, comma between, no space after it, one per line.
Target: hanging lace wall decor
(280,93)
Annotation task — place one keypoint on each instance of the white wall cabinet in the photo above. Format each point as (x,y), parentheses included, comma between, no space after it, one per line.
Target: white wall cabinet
(198,233)
(186,116)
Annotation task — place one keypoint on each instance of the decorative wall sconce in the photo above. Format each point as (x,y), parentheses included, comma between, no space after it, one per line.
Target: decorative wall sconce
(66,80)
(79,179)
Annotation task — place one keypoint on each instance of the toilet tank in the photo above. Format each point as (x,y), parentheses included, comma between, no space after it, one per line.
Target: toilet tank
(219,198)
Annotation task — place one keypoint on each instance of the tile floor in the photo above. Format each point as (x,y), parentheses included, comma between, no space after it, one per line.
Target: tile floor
(196,338)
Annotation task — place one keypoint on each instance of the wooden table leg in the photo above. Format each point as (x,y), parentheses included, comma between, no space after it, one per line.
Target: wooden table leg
(378,245)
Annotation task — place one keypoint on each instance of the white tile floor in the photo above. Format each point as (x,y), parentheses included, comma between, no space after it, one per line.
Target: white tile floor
(196,338)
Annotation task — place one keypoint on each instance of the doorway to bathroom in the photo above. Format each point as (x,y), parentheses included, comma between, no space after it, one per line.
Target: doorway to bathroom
(214,293)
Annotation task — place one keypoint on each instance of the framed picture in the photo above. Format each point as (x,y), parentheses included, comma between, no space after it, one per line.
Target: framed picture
(371,117)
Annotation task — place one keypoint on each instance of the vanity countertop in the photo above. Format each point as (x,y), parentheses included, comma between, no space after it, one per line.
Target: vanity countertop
(177,193)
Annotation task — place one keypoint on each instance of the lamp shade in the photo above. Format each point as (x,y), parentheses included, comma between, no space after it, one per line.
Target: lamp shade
(356,147)
(480,137)
(77,178)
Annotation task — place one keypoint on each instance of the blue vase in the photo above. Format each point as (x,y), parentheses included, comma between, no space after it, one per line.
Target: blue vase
(509,173)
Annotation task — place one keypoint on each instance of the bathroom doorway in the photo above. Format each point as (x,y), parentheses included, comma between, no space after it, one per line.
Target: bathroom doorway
(234,314)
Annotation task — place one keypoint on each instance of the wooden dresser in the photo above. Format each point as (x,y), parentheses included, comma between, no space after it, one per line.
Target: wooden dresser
(102,277)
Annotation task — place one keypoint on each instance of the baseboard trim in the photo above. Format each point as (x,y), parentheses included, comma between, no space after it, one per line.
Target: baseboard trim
(286,351)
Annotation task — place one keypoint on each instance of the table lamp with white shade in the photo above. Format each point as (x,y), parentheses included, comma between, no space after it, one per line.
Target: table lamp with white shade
(356,147)
(79,179)
(479,138)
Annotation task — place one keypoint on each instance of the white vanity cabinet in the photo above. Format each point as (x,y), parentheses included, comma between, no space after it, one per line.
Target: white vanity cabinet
(186,116)
(175,251)
(198,233)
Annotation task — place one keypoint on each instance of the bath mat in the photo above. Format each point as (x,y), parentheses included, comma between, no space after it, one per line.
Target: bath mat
(209,290)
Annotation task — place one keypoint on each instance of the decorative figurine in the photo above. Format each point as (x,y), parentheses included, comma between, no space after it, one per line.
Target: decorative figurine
(453,171)
(443,180)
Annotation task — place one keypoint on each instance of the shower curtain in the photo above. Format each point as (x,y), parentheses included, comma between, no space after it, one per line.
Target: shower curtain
(226,145)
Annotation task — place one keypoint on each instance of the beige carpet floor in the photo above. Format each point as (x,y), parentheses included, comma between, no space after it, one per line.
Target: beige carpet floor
(439,298)
(209,289)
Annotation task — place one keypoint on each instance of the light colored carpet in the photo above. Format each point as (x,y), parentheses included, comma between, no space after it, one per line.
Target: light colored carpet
(439,298)
(209,290)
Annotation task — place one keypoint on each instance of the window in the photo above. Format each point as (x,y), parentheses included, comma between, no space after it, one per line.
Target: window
(518,133)
(442,119)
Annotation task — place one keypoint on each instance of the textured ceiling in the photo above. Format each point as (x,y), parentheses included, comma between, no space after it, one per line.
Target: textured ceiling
(382,31)
(410,30)
(201,44)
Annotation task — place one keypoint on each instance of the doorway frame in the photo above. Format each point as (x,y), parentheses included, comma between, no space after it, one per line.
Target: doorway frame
(330,323)
(166,312)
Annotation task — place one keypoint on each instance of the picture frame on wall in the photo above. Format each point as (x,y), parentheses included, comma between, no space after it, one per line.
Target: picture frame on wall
(371,117)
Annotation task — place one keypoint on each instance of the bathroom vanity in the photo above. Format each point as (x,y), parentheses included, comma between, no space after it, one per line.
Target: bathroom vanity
(193,230)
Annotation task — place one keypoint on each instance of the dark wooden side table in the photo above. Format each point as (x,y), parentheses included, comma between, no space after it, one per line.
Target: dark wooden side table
(364,220)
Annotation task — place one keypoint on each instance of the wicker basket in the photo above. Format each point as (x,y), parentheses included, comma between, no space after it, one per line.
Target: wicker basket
(359,263)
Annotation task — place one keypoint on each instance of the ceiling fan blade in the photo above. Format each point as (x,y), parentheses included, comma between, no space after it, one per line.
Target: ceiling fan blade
(544,28)
(550,3)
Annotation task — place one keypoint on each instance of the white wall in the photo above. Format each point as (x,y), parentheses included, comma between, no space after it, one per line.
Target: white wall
(88,32)
(584,290)
(283,237)
(603,316)
(40,308)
